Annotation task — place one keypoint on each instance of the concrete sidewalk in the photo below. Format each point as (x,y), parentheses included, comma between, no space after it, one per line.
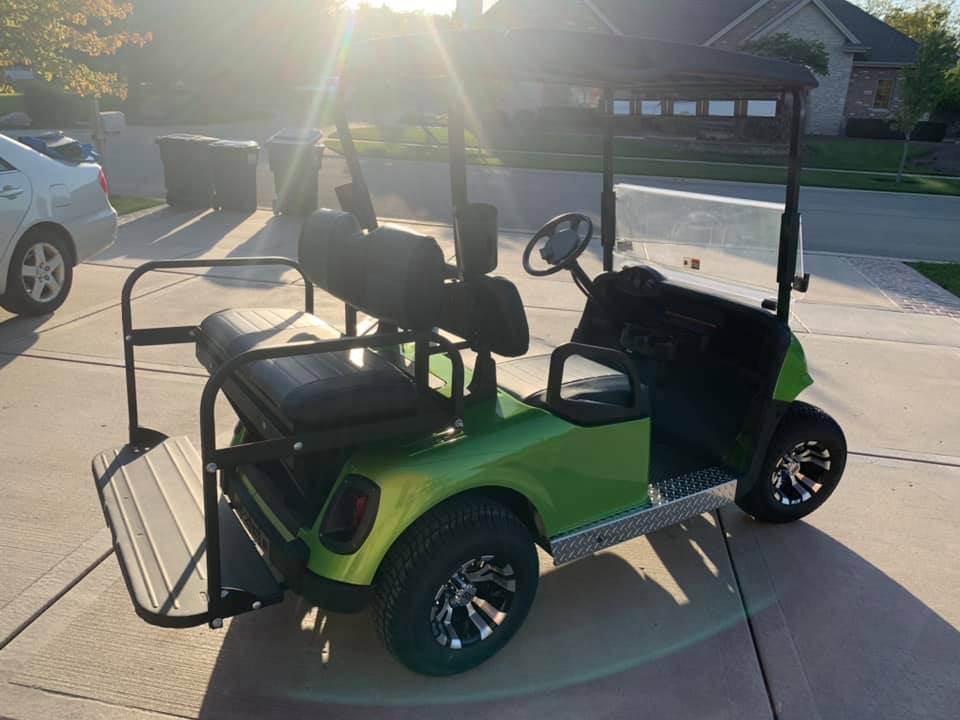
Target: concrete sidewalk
(851,614)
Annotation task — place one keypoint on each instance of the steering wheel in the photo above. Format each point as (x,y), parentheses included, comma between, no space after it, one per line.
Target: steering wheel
(563,246)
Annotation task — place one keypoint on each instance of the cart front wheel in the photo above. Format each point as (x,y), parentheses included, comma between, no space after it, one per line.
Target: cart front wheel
(802,468)
(456,586)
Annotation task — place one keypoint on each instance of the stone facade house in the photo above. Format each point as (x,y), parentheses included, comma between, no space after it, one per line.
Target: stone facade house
(866,55)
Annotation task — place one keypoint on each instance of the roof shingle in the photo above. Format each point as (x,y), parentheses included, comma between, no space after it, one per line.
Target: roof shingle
(696,21)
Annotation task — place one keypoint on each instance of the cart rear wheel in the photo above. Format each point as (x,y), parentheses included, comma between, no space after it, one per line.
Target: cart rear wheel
(456,586)
(802,468)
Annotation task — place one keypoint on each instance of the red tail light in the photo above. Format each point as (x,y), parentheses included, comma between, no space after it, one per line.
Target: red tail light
(350,515)
(103,182)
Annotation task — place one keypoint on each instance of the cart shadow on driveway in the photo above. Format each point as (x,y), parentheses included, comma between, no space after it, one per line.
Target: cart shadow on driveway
(662,627)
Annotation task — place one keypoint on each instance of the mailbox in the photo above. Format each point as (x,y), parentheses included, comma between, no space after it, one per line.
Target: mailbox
(112,122)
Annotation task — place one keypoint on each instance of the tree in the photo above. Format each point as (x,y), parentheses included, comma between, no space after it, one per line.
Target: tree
(784,46)
(950,101)
(922,20)
(924,82)
(60,40)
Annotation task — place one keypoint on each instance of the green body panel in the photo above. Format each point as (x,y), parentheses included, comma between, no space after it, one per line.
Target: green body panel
(571,475)
(793,378)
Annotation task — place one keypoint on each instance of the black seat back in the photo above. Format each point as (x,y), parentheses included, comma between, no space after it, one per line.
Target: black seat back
(488,312)
(398,276)
(390,273)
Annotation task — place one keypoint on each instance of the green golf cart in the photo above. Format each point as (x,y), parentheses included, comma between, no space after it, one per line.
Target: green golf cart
(373,465)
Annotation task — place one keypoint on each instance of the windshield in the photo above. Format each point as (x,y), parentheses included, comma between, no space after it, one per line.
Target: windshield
(701,238)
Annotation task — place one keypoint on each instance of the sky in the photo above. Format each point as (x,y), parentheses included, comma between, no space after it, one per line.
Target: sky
(431,6)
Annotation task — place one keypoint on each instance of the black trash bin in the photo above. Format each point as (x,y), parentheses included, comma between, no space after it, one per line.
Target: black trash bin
(186,169)
(234,166)
(295,158)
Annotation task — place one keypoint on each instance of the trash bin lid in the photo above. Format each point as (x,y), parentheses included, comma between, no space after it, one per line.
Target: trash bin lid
(236,144)
(186,137)
(296,136)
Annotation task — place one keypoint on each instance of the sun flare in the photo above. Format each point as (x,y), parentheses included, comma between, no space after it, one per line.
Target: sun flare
(437,7)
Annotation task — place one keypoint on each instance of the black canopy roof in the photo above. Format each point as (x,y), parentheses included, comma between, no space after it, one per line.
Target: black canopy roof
(572,58)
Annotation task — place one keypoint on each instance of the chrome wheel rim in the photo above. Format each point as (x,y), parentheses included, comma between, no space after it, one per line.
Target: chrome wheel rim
(42,272)
(800,472)
(470,606)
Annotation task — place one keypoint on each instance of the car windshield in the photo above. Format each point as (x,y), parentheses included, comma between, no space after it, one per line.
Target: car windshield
(730,244)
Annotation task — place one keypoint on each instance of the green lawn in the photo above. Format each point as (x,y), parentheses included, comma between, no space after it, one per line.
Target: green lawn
(825,153)
(857,154)
(125,204)
(664,167)
(946,275)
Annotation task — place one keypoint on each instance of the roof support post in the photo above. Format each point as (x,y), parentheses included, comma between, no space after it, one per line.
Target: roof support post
(608,200)
(359,194)
(790,220)
(457,147)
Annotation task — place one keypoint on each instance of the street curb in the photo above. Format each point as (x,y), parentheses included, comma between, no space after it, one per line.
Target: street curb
(130,217)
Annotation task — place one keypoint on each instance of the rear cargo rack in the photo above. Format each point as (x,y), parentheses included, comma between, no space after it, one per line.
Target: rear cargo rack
(153,502)
(185,556)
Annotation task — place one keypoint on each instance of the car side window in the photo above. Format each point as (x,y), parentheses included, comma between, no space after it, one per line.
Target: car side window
(5,166)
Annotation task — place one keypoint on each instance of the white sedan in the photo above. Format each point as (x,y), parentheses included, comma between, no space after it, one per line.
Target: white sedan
(53,215)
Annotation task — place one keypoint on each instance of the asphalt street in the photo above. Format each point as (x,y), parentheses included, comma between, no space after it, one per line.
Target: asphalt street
(891,224)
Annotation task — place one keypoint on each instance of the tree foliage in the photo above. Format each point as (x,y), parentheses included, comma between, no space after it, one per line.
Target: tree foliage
(950,102)
(784,46)
(922,20)
(925,82)
(61,40)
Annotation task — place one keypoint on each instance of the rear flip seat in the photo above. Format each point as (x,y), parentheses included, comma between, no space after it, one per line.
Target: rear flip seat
(392,274)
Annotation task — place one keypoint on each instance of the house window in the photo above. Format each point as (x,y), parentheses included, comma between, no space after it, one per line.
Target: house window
(685,107)
(884,94)
(721,108)
(621,107)
(762,108)
(651,107)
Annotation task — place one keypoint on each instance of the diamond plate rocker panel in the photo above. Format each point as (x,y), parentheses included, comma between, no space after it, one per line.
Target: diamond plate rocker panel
(671,501)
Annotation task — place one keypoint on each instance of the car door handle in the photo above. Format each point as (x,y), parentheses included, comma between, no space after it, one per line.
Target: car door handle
(10,192)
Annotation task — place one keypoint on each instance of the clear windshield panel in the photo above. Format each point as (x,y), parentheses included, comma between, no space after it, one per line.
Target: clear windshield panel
(702,238)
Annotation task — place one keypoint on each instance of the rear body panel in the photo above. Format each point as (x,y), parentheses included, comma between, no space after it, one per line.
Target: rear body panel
(571,475)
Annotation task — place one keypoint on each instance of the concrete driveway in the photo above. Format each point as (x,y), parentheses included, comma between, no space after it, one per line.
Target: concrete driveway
(852,613)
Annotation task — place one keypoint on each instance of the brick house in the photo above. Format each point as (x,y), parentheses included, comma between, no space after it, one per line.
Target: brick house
(866,55)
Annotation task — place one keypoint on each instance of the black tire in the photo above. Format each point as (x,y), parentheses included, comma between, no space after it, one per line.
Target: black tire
(17,297)
(414,583)
(802,467)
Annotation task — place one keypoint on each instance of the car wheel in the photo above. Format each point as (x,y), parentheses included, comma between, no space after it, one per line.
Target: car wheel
(40,274)
(803,465)
(456,586)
